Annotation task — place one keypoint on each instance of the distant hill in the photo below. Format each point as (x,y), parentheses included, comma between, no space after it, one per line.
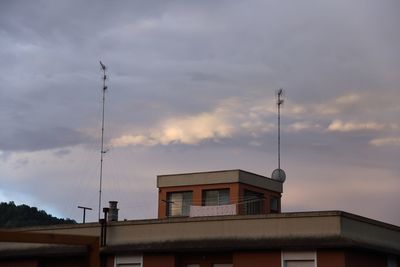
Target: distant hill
(12,216)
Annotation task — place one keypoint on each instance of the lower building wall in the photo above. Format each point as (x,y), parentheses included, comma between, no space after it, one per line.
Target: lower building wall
(19,263)
(203,259)
(365,259)
(331,258)
(110,262)
(257,259)
(46,262)
(158,260)
(63,262)
(324,257)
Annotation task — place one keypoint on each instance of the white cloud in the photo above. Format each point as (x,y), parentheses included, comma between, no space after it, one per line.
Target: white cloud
(303,125)
(340,126)
(250,117)
(388,141)
(127,139)
(185,130)
(231,117)
(348,99)
(337,105)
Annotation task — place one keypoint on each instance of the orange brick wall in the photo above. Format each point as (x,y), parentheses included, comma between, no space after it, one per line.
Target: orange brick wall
(331,258)
(236,195)
(18,263)
(197,194)
(110,261)
(267,195)
(63,262)
(365,259)
(257,259)
(158,260)
(203,259)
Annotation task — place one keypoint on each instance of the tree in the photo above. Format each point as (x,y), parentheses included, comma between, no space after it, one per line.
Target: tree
(12,216)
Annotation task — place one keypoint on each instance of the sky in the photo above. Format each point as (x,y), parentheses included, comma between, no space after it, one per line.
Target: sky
(191,87)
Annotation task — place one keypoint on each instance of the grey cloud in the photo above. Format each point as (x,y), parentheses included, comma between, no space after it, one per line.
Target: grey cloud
(39,139)
(172,59)
(62,152)
(204,77)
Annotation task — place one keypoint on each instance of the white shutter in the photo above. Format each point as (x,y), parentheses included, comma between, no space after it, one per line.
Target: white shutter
(294,263)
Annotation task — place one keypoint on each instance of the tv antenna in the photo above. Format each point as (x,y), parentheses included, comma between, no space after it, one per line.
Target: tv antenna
(279,174)
(102,151)
(84,212)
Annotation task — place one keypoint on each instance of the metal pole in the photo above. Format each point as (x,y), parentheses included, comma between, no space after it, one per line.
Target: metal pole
(279,132)
(84,212)
(102,134)
(279,103)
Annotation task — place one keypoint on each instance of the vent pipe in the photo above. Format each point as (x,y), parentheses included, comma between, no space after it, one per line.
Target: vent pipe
(113,211)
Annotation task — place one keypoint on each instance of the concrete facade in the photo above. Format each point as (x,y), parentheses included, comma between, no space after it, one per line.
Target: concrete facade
(329,227)
(337,238)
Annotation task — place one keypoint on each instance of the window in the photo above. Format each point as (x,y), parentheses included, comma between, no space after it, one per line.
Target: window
(179,203)
(274,204)
(299,259)
(128,261)
(253,202)
(391,261)
(216,197)
(299,263)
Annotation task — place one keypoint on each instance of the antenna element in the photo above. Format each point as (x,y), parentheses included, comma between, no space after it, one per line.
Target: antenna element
(102,151)
(279,174)
(84,212)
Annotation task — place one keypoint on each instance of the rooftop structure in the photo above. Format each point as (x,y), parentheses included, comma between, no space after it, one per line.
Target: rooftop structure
(229,192)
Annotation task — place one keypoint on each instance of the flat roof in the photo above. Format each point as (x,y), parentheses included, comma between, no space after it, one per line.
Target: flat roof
(298,230)
(219,177)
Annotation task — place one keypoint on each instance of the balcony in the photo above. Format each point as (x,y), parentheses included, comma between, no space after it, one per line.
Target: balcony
(201,211)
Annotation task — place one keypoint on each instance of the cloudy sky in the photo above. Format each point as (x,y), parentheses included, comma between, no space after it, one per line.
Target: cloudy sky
(192,88)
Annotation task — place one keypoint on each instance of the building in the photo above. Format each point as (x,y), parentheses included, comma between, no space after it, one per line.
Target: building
(232,192)
(221,219)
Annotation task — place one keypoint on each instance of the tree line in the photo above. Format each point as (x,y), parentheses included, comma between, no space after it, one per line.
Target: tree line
(13,216)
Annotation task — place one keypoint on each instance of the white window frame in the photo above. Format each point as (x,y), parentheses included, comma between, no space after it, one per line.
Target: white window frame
(391,261)
(298,255)
(131,259)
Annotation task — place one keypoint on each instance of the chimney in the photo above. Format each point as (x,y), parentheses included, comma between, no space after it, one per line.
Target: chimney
(113,211)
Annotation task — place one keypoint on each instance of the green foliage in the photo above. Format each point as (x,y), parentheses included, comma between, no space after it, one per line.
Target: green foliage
(12,216)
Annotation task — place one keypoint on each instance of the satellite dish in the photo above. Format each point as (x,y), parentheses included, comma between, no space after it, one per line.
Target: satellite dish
(279,175)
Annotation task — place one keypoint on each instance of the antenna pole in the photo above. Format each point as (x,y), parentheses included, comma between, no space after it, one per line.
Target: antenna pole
(279,174)
(279,103)
(102,151)
(84,212)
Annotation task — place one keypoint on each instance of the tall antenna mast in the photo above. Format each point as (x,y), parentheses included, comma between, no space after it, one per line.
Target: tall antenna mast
(279,174)
(279,102)
(102,151)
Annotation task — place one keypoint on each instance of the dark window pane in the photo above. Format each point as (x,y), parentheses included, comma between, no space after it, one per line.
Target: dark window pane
(253,202)
(216,197)
(179,203)
(274,204)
